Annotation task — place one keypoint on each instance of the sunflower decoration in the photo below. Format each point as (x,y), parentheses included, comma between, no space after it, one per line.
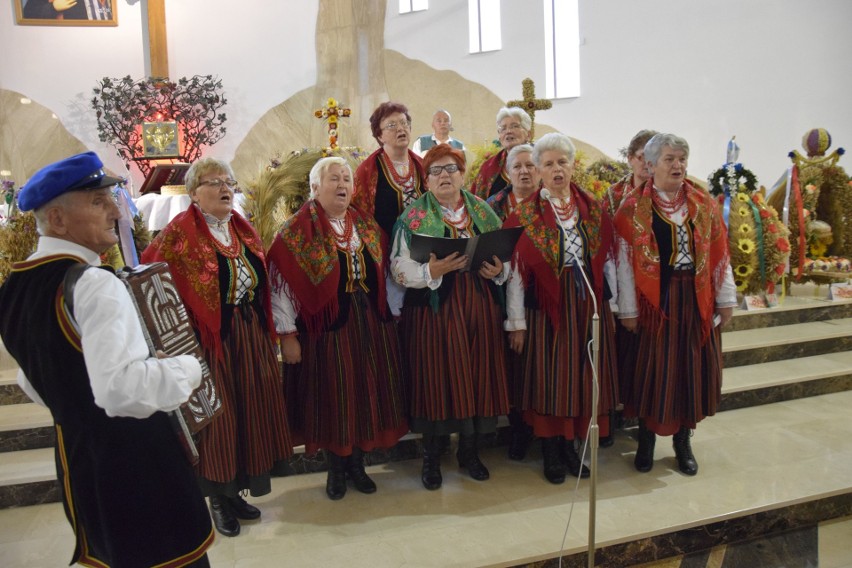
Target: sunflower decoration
(757,239)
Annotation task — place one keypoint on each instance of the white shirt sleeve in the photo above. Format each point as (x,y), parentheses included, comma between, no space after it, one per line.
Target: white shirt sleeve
(627,307)
(416,148)
(410,273)
(726,296)
(283,310)
(125,380)
(515,311)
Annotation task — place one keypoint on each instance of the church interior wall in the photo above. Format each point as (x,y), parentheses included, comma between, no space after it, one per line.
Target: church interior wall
(765,70)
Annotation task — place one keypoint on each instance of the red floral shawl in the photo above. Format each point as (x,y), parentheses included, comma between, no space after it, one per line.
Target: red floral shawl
(305,253)
(367,178)
(187,246)
(710,250)
(537,253)
(488,172)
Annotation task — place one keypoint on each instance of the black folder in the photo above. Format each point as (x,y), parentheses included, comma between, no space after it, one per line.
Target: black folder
(479,248)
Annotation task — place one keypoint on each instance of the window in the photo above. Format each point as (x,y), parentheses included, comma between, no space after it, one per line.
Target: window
(484,21)
(408,6)
(561,48)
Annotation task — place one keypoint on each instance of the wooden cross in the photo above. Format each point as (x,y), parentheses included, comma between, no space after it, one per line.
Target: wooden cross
(529,103)
(157,43)
(332,113)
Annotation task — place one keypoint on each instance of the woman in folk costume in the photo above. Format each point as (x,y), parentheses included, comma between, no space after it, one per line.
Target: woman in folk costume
(327,266)
(451,321)
(513,128)
(524,179)
(627,342)
(216,259)
(392,176)
(567,235)
(674,278)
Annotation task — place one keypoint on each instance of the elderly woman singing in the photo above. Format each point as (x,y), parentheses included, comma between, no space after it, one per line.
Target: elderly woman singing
(328,265)
(560,262)
(217,261)
(676,289)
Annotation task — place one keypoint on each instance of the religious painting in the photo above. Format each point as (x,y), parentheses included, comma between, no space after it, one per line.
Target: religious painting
(160,139)
(66,12)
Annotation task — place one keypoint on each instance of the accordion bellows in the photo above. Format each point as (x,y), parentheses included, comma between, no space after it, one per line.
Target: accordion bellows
(167,328)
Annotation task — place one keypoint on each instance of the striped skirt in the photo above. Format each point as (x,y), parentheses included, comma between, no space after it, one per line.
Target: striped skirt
(678,379)
(457,355)
(558,379)
(348,391)
(243,444)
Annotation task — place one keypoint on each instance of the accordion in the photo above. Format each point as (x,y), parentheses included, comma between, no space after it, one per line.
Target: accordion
(167,328)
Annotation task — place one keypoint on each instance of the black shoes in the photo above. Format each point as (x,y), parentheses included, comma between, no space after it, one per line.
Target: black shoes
(355,472)
(468,456)
(243,510)
(430,475)
(554,468)
(572,460)
(335,483)
(223,518)
(520,436)
(683,452)
(644,460)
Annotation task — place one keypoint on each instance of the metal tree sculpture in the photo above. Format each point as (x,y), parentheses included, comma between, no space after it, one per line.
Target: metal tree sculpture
(123,105)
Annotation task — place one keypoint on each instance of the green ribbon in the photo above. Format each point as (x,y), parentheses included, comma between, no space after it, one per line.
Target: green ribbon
(761,260)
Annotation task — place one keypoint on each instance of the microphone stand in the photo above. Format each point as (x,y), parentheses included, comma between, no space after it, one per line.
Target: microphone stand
(594,430)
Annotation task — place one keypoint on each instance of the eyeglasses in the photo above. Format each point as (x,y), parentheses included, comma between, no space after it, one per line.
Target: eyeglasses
(449,168)
(217,183)
(504,128)
(394,125)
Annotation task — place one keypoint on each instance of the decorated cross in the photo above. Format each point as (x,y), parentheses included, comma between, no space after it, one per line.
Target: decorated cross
(529,103)
(332,113)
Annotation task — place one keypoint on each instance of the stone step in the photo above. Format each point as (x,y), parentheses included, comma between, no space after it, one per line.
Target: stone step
(752,346)
(792,310)
(25,426)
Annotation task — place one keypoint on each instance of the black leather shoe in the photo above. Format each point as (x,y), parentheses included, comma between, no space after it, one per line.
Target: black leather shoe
(430,475)
(468,456)
(519,442)
(683,452)
(335,483)
(475,468)
(644,460)
(554,469)
(223,519)
(572,460)
(606,441)
(243,510)
(355,472)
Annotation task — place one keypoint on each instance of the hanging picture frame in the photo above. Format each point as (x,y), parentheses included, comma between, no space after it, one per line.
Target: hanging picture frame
(66,12)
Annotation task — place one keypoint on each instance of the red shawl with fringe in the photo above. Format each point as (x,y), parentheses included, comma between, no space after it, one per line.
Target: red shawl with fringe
(710,250)
(367,178)
(187,246)
(488,172)
(305,254)
(538,252)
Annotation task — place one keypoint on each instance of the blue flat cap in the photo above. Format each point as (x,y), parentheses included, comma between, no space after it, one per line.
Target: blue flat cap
(77,173)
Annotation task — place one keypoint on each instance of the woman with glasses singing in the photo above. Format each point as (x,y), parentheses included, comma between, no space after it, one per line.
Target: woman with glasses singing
(557,285)
(392,176)
(513,128)
(327,266)
(451,320)
(217,261)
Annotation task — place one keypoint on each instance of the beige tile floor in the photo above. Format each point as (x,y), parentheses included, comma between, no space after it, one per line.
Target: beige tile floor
(751,460)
